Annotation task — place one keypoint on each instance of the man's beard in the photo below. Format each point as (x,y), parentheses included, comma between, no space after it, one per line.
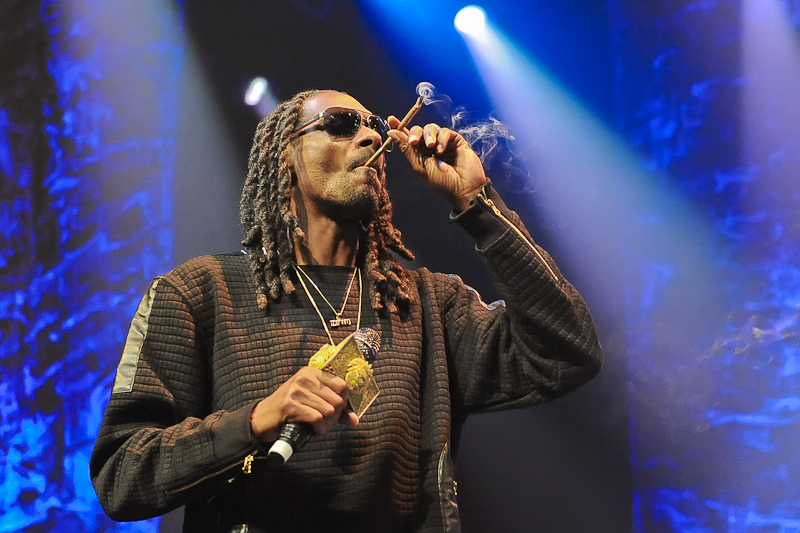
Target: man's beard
(358,204)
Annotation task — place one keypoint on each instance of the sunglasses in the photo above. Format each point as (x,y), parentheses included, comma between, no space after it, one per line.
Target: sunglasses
(343,123)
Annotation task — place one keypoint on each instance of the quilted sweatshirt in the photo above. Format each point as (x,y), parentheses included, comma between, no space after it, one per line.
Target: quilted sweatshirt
(200,354)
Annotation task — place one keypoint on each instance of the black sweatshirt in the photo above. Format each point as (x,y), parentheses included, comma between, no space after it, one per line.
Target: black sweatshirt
(200,354)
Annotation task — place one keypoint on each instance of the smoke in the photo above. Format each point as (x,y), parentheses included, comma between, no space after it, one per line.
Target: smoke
(426,90)
(489,138)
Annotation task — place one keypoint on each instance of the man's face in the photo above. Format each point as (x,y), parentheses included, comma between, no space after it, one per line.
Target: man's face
(331,179)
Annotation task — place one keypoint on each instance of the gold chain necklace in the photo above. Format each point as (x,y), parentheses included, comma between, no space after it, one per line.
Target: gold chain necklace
(338,321)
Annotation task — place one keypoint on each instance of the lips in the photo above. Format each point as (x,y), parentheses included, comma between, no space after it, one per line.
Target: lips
(369,173)
(362,159)
(362,165)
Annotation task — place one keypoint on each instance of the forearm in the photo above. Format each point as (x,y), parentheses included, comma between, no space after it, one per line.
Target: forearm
(543,343)
(141,470)
(160,442)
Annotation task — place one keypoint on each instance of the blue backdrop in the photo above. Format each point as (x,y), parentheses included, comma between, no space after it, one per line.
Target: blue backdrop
(87,151)
(712,305)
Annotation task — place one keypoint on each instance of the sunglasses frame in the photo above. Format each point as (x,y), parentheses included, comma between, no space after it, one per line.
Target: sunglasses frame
(373,122)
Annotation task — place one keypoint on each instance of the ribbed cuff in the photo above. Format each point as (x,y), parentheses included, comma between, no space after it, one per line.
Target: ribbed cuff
(232,433)
(483,225)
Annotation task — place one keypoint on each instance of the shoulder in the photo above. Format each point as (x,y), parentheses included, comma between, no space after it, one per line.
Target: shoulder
(207,271)
(205,264)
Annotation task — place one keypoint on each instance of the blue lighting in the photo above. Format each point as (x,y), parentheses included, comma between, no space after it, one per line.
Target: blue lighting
(471,20)
(84,224)
(708,190)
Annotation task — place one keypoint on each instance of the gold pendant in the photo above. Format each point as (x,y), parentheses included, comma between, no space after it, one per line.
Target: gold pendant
(336,322)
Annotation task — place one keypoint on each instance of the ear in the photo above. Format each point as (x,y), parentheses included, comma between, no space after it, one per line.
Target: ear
(291,162)
(295,197)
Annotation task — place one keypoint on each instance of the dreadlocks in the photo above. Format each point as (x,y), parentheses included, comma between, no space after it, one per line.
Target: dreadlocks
(268,223)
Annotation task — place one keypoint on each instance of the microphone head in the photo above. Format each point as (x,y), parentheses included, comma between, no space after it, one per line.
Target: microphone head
(369,342)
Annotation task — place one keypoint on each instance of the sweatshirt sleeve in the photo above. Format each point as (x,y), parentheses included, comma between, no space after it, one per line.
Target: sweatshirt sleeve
(159,445)
(536,344)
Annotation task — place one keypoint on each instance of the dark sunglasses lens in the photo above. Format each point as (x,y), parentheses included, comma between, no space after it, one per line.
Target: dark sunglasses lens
(378,124)
(341,123)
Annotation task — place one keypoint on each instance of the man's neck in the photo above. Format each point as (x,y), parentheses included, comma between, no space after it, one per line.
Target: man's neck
(328,243)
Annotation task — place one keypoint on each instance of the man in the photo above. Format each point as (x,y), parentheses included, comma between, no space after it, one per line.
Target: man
(216,359)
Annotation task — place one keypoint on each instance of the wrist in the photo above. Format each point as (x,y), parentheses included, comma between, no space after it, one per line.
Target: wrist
(465,199)
(262,426)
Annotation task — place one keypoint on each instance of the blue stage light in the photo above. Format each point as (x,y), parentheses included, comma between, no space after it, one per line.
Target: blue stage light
(471,20)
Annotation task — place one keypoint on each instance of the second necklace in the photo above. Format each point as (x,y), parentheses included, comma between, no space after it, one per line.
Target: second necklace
(338,320)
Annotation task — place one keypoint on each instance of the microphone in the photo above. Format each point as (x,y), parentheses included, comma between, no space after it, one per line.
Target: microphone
(349,360)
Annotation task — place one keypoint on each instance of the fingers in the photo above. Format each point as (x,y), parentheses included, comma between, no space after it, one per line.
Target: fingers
(348,418)
(436,138)
(333,390)
(426,146)
(443,159)
(334,383)
(432,137)
(311,396)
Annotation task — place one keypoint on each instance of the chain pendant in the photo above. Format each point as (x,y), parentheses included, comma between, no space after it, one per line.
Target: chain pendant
(336,322)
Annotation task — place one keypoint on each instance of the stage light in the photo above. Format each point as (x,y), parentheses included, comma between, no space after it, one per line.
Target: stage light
(471,20)
(255,91)
(259,96)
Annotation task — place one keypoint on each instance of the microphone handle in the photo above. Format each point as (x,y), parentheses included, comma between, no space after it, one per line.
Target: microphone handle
(293,436)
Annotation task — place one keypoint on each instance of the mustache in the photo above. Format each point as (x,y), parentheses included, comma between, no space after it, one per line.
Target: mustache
(360,158)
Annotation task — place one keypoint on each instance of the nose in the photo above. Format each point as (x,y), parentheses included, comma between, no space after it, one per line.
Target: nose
(367,136)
